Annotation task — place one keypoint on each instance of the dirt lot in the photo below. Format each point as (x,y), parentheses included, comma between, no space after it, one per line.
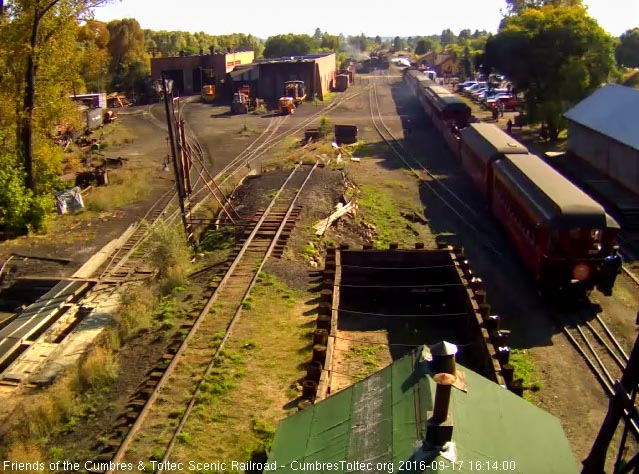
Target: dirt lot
(387,194)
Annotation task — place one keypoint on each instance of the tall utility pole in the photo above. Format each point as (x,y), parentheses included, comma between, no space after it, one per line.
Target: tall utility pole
(177,169)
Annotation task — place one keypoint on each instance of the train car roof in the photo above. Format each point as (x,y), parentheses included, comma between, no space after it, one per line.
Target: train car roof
(490,142)
(558,201)
(450,102)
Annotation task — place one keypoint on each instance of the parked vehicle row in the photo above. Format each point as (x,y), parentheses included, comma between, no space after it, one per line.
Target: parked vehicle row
(564,237)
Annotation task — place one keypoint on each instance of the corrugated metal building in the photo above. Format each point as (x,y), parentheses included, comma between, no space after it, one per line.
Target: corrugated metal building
(190,73)
(603,129)
(316,70)
(378,425)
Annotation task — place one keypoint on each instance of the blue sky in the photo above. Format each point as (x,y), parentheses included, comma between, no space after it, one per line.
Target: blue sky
(265,18)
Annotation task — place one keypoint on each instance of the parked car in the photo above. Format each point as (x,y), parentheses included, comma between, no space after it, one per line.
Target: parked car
(463,85)
(491,94)
(510,102)
(469,90)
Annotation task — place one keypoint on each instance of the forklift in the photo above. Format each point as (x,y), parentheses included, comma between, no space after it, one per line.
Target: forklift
(296,90)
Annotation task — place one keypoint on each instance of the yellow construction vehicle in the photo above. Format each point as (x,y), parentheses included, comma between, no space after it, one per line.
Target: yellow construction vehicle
(296,90)
(208,93)
(286,105)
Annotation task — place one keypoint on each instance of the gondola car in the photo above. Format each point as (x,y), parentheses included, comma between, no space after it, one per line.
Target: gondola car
(562,235)
(481,145)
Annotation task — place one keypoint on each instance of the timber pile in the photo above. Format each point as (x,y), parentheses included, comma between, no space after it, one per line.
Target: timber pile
(341,209)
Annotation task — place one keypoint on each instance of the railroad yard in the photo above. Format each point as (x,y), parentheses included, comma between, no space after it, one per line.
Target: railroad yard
(226,354)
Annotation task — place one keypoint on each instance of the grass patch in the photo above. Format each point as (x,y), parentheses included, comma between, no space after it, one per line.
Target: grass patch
(125,187)
(379,208)
(221,239)
(525,369)
(249,390)
(99,369)
(367,356)
(136,311)
(264,434)
(170,255)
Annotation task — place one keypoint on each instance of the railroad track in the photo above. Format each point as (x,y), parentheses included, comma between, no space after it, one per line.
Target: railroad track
(179,383)
(590,336)
(596,344)
(467,215)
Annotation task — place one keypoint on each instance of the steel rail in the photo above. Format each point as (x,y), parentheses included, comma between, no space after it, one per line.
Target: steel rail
(124,446)
(392,144)
(236,316)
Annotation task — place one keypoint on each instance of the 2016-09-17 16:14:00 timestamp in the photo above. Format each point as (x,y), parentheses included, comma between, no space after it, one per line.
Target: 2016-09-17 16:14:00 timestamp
(486,465)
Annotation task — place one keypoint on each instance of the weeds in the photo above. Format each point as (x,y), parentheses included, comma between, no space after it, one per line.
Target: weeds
(99,369)
(125,187)
(218,239)
(384,213)
(136,311)
(264,433)
(525,369)
(325,127)
(170,255)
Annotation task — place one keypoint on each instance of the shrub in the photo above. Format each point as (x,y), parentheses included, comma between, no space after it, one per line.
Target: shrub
(136,311)
(99,369)
(170,255)
(20,210)
(324,127)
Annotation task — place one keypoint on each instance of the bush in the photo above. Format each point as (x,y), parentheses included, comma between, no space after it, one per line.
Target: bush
(324,127)
(170,255)
(20,210)
(136,311)
(99,369)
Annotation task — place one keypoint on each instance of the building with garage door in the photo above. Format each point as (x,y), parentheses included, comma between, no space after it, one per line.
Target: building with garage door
(316,70)
(603,129)
(190,73)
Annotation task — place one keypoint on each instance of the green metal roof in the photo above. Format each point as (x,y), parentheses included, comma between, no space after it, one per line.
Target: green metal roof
(381,420)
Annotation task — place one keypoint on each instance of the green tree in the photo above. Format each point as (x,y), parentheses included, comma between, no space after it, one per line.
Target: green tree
(518,6)
(556,55)
(93,40)
(129,60)
(399,44)
(288,45)
(447,37)
(424,45)
(317,36)
(464,35)
(627,52)
(39,67)
(330,42)
(378,40)
(38,24)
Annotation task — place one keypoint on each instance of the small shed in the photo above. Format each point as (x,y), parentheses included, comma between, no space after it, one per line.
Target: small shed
(379,424)
(602,130)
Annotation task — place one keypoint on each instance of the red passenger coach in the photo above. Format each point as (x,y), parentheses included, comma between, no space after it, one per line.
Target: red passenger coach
(482,144)
(562,235)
